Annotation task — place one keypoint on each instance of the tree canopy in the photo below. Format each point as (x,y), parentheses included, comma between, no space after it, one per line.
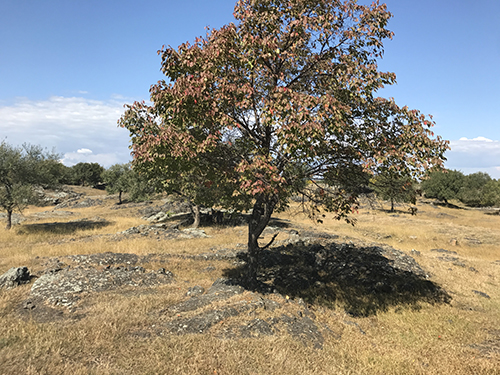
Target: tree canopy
(87,173)
(283,102)
(121,178)
(20,169)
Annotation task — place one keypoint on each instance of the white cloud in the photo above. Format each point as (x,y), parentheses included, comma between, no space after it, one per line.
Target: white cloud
(473,155)
(87,156)
(84,151)
(69,124)
(478,139)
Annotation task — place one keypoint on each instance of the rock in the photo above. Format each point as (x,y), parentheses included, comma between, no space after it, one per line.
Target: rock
(194,233)
(14,277)
(256,328)
(16,218)
(163,231)
(444,251)
(223,285)
(159,217)
(46,214)
(482,294)
(69,279)
(303,329)
(202,322)
(271,305)
(195,291)
(473,241)
(76,203)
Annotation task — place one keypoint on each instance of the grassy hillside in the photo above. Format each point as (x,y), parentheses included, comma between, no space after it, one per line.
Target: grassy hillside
(113,332)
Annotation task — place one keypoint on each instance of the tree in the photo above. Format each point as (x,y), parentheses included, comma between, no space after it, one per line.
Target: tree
(121,178)
(117,179)
(20,169)
(443,185)
(87,174)
(472,190)
(395,188)
(491,194)
(287,94)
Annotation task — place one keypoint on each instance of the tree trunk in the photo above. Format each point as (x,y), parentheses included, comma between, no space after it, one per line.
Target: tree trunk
(261,214)
(392,204)
(9,219)
(196,215)
(120,197)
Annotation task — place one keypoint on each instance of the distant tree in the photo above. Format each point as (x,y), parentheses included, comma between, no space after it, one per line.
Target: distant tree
(473,189)
(491,194)
(288,96)
(87,174)
(395,188)
(21,168)
(443,185)
(122,178)
(140,188)
(117,179)
(61,174)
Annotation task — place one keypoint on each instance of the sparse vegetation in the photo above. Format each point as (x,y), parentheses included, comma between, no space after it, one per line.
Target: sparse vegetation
(104,335)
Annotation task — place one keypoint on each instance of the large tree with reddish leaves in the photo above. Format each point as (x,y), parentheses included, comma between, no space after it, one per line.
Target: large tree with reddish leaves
(283,102)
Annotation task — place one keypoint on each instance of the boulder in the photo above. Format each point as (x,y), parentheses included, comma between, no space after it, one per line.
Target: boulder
(14,277)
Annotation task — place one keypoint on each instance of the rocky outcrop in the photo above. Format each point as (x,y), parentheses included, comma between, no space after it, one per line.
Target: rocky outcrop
(163,231)
(294,318)
(67,280)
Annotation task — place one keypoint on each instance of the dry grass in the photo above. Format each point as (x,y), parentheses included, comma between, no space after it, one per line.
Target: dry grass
(458,338)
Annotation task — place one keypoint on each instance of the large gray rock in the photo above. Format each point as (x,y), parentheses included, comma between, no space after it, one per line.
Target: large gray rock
(14,277)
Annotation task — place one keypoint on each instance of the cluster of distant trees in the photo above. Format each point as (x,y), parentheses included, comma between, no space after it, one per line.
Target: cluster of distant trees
(117,179)
(474,190)
(24,168)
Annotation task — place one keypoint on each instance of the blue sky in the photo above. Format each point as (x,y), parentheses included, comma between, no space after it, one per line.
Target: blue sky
(67,68)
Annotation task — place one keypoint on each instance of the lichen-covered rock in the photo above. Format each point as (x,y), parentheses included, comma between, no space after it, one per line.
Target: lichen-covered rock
(65,287)
(14,277)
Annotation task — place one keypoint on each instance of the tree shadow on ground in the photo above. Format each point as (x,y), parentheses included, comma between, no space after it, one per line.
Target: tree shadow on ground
(62,228)
(359,278)
(447,205)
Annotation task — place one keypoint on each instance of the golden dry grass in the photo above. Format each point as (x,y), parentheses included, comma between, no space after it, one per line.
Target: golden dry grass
(460,338)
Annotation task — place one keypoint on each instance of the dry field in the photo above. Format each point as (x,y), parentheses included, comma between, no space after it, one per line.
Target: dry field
(461,337)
